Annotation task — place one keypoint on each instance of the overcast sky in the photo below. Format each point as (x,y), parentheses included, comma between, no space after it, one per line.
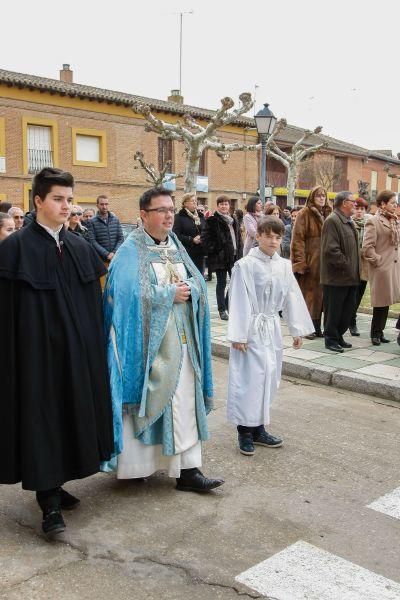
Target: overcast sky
(317,62)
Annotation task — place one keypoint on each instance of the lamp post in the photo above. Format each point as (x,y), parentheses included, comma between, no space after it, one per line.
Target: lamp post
(265,123)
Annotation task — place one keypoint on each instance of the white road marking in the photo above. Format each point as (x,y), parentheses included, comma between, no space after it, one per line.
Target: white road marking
(389,504)
(304,572)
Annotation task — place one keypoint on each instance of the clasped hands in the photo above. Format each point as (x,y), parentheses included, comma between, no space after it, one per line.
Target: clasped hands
(182,293)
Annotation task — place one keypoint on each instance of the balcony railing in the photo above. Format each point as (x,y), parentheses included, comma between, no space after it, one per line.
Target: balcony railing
(38,159)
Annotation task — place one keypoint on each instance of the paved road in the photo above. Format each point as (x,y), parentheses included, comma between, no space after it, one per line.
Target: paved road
(144,540)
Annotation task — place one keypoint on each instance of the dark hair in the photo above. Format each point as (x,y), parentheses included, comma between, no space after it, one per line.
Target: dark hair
(46,178)
(101,197)
(239,214)
(223,198)
(360,202)
(251,205)
(340,198)
(270,224)
(384,197)
(313,193)
(148,195)
(296,209)
(5,207)
(270,209)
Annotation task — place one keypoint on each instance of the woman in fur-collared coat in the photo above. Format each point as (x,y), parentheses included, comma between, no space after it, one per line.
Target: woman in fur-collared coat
(305,252)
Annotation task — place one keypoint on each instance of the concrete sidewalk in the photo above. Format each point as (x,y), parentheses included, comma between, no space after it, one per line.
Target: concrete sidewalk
(367,369)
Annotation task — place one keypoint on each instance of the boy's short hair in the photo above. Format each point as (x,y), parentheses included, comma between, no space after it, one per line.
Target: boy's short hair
(270,224)
(46,178)
(148,195)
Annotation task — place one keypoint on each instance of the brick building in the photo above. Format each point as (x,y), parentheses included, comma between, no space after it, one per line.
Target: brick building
(94,133)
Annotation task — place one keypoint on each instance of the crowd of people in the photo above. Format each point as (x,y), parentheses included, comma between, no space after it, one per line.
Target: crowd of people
(115,336)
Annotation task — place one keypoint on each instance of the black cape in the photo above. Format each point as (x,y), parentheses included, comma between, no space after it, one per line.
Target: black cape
(55,407)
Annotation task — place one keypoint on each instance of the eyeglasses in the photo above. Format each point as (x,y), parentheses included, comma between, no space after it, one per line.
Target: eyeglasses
(162,210)
(76,214)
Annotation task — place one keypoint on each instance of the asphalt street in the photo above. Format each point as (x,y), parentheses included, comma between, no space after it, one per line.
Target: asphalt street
(145,540)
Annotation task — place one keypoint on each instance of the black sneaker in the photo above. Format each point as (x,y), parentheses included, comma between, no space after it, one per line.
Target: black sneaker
(246,445)
(67,500)
(344,344)
(354,331)
(52,523)
(223,315)
(384,340)
(263,438)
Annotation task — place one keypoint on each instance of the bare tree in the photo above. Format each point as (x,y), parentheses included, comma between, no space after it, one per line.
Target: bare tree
(363,189)
(197,138)
(153,176)
(321,169)
(292,160)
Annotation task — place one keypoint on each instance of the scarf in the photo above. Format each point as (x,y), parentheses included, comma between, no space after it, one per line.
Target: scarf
(195,216)
(229,221)
(394,225)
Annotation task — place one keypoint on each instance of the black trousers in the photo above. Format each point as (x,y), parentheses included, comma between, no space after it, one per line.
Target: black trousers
(379,318)
(222,296)
(48,499)
(339,303)
(359,295)
(199,262)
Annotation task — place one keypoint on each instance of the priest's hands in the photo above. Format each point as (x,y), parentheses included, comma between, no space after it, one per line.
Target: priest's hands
(297,343)
(239,346)
(182,293)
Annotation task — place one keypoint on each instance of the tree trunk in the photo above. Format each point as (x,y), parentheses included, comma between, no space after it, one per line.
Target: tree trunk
(192,169)
(291,184)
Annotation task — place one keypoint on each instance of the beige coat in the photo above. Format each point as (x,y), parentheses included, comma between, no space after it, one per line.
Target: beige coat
(383,260)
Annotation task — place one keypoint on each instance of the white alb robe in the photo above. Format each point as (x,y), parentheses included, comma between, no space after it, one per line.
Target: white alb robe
(260,287)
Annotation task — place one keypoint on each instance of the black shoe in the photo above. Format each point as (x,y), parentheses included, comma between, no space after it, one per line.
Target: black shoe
(193,480)
(52,523)
(263,438)
(246,445)
(398,339)
(311,336)
(376,341)
(209,277)
(354,331)
(223,315)
(344,344)
(319,334)
(67,500)
(384,340)
(334,347)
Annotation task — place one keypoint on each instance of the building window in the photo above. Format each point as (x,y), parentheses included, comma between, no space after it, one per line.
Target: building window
(165,154)
(89,147)
(40,144)
(203,163)
(2,145)
(388,182)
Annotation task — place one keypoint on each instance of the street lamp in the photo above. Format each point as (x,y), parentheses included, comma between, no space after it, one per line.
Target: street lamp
(265,123)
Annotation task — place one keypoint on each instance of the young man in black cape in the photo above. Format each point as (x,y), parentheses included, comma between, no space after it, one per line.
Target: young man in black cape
(55,409)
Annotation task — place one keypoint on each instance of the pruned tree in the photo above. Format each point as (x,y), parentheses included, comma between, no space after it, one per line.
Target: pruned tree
(155,177)
(293,159)
(363,189)
(321,169)
(197,138)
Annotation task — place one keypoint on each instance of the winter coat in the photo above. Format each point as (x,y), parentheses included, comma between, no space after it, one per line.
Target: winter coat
(383,259)
(305,253)
(82,231)
(360,226)
(105,236)
(186,229)
(250,222)
(218,245)
(340,256)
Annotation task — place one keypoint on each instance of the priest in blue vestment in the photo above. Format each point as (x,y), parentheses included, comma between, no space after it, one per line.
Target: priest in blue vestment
(159,352)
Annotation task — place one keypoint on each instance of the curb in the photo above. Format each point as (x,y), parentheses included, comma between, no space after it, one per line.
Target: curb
(324,375)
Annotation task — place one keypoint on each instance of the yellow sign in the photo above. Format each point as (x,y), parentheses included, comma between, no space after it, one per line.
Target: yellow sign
(282,191)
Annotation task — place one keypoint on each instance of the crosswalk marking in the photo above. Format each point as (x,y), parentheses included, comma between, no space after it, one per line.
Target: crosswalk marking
(388,504)
(304,572)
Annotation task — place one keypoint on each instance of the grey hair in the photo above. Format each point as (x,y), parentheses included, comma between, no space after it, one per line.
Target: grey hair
(340,198)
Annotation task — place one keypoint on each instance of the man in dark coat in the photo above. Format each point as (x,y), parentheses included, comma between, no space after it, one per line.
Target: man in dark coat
(56,419)
(188,226)
(340,273)
(224,246)
(105,230)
